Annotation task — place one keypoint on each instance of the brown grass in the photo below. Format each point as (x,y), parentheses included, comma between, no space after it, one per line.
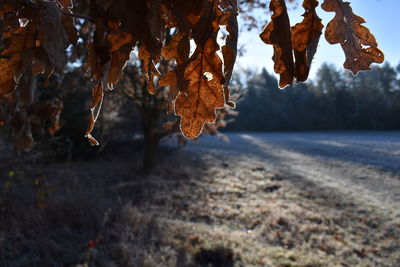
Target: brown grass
(196,209)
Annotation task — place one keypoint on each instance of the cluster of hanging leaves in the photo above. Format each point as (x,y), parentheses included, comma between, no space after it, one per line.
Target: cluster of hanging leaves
(295,47)
(33,41)
(35,35)
(156,109)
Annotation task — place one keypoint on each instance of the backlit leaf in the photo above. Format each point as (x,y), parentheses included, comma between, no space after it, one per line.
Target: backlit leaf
(204,94)
(149,67)
(277,33)
(97,99)
(358,43)
(305,38)
(229,50)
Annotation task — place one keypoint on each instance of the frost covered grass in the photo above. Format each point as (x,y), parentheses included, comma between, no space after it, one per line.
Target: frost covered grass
(199,208)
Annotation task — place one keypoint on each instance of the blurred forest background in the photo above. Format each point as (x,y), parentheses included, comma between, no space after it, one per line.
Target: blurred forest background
(335,100)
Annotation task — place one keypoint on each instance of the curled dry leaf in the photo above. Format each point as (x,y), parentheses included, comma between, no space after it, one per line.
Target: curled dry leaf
(154,19)
(149,67)
(149,52)
(179,49)
(228,18)
(53,35)
(120,47)
(68,21)
(277,33)
(11,60)
(119,58)
(358,43)
(95,107)
(108,55)
(305,38)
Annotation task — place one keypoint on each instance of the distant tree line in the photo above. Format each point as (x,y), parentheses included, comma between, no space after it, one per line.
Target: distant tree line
(334,100)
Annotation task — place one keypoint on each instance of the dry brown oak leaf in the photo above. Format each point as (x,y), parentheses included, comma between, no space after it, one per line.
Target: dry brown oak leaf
(278,34)
(358,43)
(305,38)
(204,94)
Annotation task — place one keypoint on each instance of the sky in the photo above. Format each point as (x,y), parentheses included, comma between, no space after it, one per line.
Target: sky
(382,18)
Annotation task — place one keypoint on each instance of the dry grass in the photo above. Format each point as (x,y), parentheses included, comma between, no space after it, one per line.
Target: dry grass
(196,209)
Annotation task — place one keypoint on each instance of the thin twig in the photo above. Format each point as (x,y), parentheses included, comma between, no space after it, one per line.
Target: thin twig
(79,16)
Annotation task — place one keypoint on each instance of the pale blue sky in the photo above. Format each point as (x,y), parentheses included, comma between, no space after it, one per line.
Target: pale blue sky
(383,19)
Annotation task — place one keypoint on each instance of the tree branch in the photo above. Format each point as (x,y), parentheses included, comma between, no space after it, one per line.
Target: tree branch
(28,3)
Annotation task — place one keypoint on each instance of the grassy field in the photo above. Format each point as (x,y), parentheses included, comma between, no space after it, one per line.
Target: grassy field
(199,208)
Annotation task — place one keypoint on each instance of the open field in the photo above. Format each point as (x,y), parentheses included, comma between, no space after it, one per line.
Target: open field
(309,199)
(364,166)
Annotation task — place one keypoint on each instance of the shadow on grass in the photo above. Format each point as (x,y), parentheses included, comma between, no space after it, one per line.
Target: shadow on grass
(196,209)
(377,149)
(99,212)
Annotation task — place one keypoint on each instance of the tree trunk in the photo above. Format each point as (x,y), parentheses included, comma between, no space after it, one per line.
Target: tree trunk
(151,140)
(150,149)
